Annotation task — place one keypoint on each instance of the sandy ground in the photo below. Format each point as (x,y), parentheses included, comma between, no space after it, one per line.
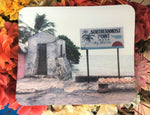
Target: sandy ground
(50,91)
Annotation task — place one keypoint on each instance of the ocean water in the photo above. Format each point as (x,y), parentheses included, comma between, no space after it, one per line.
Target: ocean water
(105,65)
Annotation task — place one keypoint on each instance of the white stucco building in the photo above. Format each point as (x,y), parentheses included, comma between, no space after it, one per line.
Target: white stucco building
(45,54)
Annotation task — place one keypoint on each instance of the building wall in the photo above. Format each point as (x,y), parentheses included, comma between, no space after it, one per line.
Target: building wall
(51,56)
(59,43)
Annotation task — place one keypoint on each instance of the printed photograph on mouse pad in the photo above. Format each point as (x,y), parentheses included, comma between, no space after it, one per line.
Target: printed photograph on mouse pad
(76,55)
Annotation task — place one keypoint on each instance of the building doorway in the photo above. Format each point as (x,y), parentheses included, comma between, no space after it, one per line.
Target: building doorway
(42,61)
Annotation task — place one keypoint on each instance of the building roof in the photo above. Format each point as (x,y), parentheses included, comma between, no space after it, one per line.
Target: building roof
(43,35)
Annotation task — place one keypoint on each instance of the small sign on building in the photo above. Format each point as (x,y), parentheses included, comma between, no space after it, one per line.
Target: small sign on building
(102,38)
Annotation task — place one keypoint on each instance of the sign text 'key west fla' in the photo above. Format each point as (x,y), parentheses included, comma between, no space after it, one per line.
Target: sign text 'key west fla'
(102,38)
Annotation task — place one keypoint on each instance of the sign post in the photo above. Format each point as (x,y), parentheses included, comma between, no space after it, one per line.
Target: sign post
(87,58)
(118,62)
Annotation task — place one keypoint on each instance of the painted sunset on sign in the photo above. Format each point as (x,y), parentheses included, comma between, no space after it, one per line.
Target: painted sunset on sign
(117,43)
(102,38)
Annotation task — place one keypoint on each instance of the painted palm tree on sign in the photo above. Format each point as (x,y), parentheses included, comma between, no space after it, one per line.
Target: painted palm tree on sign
(41,24)
(87,37)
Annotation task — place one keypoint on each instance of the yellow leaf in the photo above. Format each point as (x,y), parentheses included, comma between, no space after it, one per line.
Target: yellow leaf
(58,107)
(2,21)
(13,10)
(143,109)
(107,109)
(3,4)
(83,110)
(67,110)
(47,112)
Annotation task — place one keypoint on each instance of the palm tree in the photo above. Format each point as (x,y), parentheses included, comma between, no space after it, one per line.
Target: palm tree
(87,37)
(41,24)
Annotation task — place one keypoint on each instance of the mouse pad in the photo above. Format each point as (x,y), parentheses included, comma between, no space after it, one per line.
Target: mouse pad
(76,55)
